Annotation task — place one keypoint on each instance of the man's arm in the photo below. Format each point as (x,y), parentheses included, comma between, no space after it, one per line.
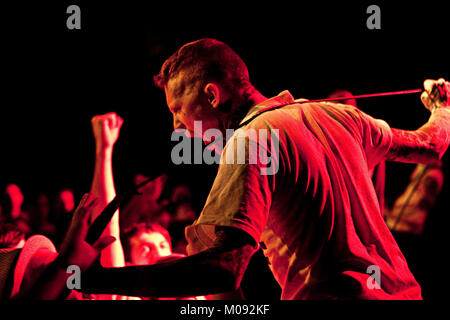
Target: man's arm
(428,143)
(218,269)
(51,283)
(106,130)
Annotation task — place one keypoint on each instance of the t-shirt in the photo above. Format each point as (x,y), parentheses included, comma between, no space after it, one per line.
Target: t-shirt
(309,197)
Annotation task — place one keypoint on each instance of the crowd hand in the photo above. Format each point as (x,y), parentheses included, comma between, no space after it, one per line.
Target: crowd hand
(74,249)
(106,129)
(436,94)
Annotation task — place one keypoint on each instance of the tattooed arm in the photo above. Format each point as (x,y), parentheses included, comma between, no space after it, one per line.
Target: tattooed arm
(428,143)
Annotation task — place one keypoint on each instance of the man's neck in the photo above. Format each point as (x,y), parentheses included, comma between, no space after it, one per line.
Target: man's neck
(241,107)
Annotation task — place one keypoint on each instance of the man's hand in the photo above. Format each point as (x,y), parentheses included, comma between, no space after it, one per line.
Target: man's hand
(74,249)
(427,144)
(106,130)
(436,94)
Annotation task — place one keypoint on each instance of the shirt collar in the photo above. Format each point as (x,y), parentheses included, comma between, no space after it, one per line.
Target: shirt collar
(285,97)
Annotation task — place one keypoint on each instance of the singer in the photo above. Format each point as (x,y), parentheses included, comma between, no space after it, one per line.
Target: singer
(318,215)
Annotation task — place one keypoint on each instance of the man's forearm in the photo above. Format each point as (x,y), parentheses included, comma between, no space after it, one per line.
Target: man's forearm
(201,274)
(103,181)
(425,145)
(104,190)
(438,130)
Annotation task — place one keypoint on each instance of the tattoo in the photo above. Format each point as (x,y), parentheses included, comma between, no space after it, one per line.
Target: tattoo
(427,144)
(407,146)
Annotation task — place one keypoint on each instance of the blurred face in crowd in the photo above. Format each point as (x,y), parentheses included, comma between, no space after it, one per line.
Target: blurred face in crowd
(148,248)
(67,200)
(43,205)
(15,198)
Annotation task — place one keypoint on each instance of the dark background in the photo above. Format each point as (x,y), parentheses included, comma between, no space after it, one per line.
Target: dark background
(55,80)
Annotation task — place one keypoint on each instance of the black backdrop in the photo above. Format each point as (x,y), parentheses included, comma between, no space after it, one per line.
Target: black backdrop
(56,79)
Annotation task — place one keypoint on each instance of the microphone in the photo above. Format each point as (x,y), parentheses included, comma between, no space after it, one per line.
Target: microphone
(100,223)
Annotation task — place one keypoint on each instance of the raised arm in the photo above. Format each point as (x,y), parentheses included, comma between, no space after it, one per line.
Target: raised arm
(428,143)
(106,130)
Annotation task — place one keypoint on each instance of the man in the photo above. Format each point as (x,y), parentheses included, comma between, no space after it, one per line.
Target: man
(106,129)
(12,211)
(46,274)
(149,243)
(146,243)
(317,214)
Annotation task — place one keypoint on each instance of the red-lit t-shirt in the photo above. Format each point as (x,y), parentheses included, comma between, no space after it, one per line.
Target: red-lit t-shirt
(317,212)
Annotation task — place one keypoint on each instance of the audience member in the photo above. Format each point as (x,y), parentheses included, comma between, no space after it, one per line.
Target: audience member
(63,207)
(11,236)
(40,214)
(12,211)
(149,243)
(146,243)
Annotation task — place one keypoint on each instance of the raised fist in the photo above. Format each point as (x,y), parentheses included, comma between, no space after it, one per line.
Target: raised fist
(436,94)
(106,129)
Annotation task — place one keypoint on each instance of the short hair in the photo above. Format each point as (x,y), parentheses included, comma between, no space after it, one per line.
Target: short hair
(10,235)
(137,229)
(206,60)
(341,93)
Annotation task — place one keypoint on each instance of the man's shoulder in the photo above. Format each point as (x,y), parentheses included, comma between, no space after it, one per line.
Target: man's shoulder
(294,111)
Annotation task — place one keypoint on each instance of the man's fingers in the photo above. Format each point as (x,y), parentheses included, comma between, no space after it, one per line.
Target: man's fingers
(116,120)
(84,208)
(428,85)
(426,100)
(90,203)
(103,242)
(87,209)
(436,93)
(119,122)
(106,123)
(82,202)
(108,120)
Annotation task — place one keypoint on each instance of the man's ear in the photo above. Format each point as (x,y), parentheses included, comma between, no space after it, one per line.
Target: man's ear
(212,92)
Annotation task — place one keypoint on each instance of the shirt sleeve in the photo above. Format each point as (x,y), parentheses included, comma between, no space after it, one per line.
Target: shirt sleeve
(376,138)
(240,196)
